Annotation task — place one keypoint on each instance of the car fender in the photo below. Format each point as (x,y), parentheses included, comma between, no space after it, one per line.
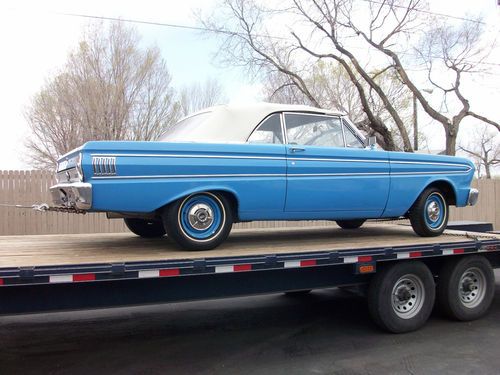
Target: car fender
(435,181)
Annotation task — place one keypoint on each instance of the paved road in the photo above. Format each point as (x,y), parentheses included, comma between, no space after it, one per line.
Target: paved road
(326,332)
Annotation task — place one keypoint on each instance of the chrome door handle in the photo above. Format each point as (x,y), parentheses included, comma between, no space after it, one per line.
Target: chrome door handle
(293,150)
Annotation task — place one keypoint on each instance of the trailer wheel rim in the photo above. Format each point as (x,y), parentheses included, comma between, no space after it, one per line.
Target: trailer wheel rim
(201,217)
(472,287)
(408,296)
(435,211)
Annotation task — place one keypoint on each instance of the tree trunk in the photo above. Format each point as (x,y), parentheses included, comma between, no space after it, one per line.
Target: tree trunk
(451,143)
(487,170)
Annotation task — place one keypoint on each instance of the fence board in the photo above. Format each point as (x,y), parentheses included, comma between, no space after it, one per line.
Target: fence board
(29,187)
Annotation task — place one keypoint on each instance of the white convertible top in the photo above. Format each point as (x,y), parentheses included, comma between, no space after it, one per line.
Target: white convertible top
(233,123)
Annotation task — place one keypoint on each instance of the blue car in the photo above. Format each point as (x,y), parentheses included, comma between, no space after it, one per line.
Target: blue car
(230,164)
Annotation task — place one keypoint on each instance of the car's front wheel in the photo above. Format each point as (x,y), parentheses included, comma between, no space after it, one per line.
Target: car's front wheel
(199,221)
(429,214)
(145,228)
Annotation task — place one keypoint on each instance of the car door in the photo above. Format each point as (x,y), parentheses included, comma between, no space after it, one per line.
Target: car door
(323,175)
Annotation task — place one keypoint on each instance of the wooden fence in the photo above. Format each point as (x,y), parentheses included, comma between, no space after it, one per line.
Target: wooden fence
(28,187)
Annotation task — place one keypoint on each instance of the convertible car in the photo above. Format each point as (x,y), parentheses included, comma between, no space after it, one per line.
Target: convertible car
(230,164)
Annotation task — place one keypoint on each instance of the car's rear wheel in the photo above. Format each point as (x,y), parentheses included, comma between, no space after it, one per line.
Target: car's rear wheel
(145,228)
(429,214)
(199,221)
(350,224)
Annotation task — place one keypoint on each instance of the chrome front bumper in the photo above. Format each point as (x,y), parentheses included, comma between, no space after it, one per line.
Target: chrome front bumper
(473,197)
(72,194)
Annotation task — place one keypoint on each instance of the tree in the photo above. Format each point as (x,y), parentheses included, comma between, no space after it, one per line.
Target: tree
(332,88)
(485,150)
(200,95)
(347,32)
(109,89)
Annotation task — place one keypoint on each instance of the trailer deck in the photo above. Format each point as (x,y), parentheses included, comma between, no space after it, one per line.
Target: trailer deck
(64,249)
(61,272)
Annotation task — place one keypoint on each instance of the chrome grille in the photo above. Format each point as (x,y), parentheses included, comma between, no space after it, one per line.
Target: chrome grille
(104,165)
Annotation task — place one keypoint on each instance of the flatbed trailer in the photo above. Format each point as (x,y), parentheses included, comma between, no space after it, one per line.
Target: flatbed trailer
(65,272)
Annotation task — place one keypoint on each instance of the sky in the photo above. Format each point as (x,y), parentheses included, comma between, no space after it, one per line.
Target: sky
(35,42)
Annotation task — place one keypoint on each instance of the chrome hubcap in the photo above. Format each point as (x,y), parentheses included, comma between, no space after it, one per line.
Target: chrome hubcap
(433,211)
(408,296)
(472,287)
(201,216)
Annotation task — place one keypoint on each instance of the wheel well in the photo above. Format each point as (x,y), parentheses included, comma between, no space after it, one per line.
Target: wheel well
(447,190)
(233,201)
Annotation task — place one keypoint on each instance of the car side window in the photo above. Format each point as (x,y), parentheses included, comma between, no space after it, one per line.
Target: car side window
(314,130)
(269,131)
(350,139)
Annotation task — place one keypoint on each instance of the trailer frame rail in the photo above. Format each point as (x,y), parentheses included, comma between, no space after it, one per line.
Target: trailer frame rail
(97,272)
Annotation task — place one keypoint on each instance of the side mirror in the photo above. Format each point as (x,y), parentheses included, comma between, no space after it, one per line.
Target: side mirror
(372,142)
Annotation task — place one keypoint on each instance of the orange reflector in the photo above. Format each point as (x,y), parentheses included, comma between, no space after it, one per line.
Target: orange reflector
(368,268)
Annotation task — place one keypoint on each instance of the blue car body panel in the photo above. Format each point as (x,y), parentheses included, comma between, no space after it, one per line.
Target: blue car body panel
(150,175)
(269,182)
(335,179)
(412,173)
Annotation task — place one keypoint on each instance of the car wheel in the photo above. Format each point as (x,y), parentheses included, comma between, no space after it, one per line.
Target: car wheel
(401,296)
(145,228)
(466,288)
(429,214)
(199,221)
(350,224)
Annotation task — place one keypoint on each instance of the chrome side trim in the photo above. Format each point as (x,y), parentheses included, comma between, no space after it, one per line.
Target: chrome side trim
(201,156)
(433,172)
(341,160)
(189,176)
(258,175)
(431,163)
(240,157)
(190,156)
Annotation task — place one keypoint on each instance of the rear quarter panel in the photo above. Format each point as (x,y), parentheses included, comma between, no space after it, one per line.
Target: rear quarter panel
(150,175)
(412,173)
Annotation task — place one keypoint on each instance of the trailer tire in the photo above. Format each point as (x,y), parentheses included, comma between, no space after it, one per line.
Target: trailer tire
(350,224)
(466,288)
(401,296)
(145,228)
(200,221)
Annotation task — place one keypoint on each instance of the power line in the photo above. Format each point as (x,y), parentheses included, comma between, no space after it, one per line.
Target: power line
(161,24)
(221,31)
(142,22)
(426,12)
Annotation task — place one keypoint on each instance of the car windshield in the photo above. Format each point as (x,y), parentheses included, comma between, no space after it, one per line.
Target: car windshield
(186,130)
